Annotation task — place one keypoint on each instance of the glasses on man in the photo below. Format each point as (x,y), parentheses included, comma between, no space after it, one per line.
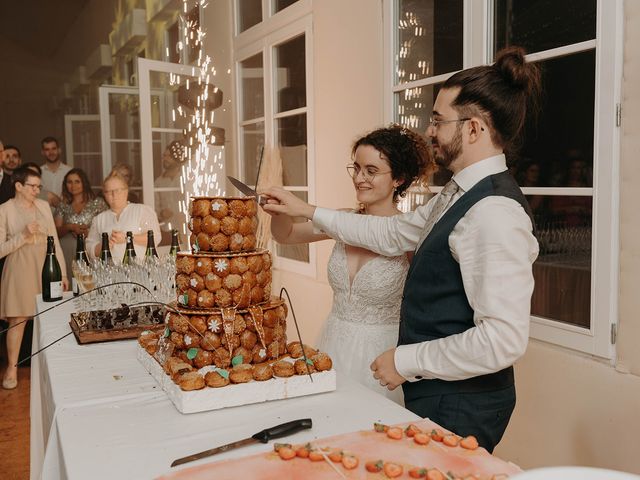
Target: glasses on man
(34,186)
(115,191)
(435,123)
(368,173)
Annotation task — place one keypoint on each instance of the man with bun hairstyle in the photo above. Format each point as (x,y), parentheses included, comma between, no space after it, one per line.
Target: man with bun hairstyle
(464,318)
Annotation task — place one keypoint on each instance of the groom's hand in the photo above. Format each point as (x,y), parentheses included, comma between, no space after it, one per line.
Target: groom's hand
(281,201)
(384,370)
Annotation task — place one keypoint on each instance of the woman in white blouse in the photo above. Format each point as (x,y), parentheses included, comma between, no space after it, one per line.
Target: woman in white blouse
(122,217)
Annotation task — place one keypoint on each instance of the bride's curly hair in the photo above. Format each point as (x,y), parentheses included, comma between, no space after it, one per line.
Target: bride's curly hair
(406,152)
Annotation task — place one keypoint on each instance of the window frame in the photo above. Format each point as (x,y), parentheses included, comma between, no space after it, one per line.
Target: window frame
(478,40)
(263,38)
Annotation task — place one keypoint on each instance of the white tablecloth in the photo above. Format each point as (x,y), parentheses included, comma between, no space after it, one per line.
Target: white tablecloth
(97,413)
(139,438)
(69,375)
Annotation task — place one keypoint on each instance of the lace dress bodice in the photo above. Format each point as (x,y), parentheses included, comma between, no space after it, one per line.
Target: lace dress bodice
(363,322)
(374,295)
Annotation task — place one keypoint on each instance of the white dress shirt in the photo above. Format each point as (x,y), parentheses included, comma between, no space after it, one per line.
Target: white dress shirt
(52,181)
(495,248)
(136,218)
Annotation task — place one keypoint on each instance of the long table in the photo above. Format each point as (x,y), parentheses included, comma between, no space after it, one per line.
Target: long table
(97,413)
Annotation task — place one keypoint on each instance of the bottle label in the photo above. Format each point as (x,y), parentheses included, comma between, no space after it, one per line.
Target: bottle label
(74,285)
(56,289)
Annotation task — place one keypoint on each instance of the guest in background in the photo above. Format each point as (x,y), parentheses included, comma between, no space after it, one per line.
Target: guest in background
(76,211)
(49,197)
(25,223)
(529,176)
(6,190)
(121,217)
(53,170)
(125,172)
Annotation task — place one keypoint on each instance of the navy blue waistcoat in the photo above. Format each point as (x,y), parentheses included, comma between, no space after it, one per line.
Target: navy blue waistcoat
(434,303)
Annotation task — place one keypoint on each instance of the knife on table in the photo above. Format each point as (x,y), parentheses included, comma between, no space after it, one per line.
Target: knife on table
(263,436)
(247,190)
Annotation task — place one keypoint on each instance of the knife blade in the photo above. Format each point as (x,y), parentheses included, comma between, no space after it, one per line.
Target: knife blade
(262,436)
(247,190)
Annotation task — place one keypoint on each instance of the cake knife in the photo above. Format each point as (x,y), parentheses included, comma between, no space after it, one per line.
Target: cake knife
(247,190)
(263,436)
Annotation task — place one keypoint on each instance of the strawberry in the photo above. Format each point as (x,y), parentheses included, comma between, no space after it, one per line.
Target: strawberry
(434,474)
(395,433)
(350,462)
(374,466)
(418,472)
(437,435)
(278,446)
(286,453)
(392,470)
(470,442)
(421,438)
(316,456)
(335,456)
(411,430)
(451,440)
(380,427)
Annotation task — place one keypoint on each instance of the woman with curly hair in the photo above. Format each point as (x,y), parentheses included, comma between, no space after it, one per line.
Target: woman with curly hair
(367,287)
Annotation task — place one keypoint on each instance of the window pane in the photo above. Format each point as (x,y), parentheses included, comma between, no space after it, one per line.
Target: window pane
(563,270)
(429,38)
(558,151)
(124,115)
(282,4)
(252,78)
(290,79)
(92,166)
(295,252)
(292,141)
(249,14)
(253,141)
(539,25)
(412,110)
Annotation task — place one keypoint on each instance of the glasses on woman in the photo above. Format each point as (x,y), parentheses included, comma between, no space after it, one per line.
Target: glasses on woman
(115,191)
(368,173)
(34,186)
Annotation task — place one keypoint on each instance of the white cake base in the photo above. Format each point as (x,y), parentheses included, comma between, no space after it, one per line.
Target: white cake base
(238,394)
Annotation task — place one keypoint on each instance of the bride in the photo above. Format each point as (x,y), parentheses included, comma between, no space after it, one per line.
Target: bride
(367,288)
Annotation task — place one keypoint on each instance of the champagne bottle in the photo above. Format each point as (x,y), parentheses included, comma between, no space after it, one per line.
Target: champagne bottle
(81,256)
(51,274)
(105,252)
(130,251)
(175,244)
(150,252)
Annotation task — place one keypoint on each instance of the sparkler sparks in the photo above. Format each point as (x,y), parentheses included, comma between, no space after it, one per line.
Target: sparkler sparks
(198,176)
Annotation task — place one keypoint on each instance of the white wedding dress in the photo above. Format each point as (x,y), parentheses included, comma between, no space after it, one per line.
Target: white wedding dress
(363,322)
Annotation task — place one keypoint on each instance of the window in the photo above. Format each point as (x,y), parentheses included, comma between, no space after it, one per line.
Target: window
(567,162)
(273,85)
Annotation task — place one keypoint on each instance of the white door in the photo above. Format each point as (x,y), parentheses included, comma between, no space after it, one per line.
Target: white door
(162,121)
(82,142)
(120,133)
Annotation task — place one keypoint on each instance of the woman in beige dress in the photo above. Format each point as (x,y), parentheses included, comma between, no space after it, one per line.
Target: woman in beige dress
(25,223)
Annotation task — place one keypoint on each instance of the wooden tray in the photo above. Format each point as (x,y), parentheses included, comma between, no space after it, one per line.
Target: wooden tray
(120,327)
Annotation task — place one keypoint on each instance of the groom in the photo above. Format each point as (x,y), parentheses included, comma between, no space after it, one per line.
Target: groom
(464,317)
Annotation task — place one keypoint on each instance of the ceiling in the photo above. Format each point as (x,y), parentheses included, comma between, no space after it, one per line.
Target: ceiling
(39,26)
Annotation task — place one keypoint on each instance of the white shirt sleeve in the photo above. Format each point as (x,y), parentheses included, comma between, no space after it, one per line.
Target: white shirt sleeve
(94,237)
(388,236)
(495,248)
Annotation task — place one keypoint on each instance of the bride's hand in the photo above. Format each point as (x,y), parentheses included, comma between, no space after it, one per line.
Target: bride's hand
(280,201)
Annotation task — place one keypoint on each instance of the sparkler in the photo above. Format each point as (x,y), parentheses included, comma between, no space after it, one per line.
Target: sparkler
(199,176)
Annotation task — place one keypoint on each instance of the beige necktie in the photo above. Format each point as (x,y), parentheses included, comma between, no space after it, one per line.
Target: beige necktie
(441,203)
